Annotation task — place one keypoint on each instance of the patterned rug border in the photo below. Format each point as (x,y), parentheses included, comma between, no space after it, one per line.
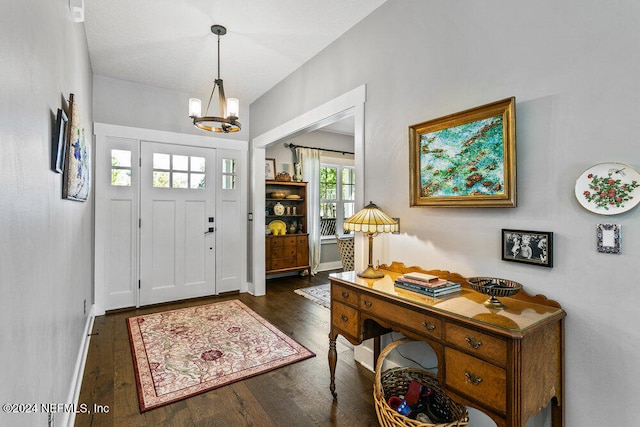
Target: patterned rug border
(133,328)
(303,292)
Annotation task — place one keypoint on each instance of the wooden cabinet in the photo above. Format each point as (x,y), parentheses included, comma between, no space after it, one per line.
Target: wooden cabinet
(507,363)
(289,249)
(287,253)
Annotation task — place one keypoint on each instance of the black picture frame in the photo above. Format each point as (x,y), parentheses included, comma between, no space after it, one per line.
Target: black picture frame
(528,247)
(59,142)
(270,169)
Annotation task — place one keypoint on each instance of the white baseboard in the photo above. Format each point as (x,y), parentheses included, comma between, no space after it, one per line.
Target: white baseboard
(69,418)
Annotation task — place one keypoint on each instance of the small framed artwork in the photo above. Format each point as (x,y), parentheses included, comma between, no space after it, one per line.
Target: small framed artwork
(76,179)
(59,142)
(529,247)
(466,159)
(269,169)
(608,237)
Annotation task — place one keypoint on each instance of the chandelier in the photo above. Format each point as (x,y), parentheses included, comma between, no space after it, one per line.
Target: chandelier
(228,122)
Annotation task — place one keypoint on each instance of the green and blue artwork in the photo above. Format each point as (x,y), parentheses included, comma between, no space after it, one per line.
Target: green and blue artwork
(464,160)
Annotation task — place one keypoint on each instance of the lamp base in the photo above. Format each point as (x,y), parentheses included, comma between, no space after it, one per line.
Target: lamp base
(370,273)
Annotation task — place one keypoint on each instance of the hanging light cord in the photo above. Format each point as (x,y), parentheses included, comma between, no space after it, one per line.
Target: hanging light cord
(215,82)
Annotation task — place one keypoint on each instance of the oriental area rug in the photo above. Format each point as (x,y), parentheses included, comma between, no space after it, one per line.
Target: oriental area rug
(181,353)
(320,294)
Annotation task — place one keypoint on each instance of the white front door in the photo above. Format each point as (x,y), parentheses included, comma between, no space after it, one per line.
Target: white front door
(177,229)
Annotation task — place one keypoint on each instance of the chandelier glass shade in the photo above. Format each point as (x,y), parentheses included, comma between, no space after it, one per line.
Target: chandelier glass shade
(229,108)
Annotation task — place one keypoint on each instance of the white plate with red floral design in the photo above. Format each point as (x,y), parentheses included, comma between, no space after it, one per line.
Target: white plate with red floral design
(609,188)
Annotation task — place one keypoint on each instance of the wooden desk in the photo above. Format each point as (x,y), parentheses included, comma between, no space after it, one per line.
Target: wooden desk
(507,363)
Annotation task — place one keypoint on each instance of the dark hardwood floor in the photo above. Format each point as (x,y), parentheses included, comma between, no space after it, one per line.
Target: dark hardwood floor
(295,395)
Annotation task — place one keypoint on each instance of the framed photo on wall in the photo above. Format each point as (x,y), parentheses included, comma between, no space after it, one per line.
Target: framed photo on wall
(269,169)
(466,159)
(608,237)
(529,247)
(59,142)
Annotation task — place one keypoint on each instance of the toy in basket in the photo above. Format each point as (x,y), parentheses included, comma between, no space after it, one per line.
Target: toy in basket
(430,405)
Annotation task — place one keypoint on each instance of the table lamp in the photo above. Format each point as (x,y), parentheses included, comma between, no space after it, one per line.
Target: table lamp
(371,220)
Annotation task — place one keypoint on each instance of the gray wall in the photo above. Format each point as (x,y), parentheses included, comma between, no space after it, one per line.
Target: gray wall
(120,102)
(573,68)
(46,245)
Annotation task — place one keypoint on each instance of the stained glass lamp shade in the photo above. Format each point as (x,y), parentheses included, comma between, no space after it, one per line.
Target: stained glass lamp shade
(371,221)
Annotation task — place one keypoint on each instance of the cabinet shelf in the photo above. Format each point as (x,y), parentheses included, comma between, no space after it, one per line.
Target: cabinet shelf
(288,252)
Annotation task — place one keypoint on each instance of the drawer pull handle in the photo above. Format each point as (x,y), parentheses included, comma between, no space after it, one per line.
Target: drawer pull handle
(473,378)
(367,304)
(344,318)
(429,326)
(345,294)
(473,343)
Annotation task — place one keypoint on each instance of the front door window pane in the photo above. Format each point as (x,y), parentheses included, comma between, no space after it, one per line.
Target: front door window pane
(228,182)
(180,163)
(197,180)
(178,171)
(121,168)
(121,177)
(180,180)
(161,161)
(228,166)
(121,158)
(160,179)
(197,164)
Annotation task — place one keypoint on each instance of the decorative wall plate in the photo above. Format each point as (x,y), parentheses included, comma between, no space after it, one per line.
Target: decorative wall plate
(609,188)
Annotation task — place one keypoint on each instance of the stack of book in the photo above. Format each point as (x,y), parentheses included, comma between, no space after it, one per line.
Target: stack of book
(426,284)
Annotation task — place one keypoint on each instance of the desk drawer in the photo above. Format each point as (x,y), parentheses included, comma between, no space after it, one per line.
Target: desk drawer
(340,293)
(477,379)
(477,343)
(345,318)
(422,323)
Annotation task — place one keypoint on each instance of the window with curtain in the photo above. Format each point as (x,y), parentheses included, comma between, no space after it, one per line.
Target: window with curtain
(337,197)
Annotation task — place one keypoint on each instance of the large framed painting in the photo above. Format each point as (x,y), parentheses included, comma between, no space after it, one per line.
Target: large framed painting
(466,159)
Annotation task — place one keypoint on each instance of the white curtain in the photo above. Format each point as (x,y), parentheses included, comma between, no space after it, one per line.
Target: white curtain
(310,160)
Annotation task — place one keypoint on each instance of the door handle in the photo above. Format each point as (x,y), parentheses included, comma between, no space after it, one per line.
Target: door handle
(210,230)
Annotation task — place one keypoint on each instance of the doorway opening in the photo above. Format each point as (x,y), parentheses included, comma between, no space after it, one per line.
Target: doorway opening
(350,104)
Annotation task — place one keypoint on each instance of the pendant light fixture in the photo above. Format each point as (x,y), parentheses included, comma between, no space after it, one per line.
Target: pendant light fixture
(228,120)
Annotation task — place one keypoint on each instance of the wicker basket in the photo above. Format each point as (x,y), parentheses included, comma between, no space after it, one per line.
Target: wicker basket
(394,382)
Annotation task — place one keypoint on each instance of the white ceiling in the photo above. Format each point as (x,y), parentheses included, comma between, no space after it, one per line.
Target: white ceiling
(169,44)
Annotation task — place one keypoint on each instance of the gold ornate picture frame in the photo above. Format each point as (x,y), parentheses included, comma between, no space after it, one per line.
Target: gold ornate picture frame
(466,159)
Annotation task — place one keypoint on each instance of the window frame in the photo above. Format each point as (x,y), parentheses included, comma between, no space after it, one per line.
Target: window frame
(339,201)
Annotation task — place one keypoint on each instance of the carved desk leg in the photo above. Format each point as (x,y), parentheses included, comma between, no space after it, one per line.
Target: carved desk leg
(333,358)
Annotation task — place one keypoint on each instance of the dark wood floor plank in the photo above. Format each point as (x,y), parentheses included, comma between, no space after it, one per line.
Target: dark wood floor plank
(294,395)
